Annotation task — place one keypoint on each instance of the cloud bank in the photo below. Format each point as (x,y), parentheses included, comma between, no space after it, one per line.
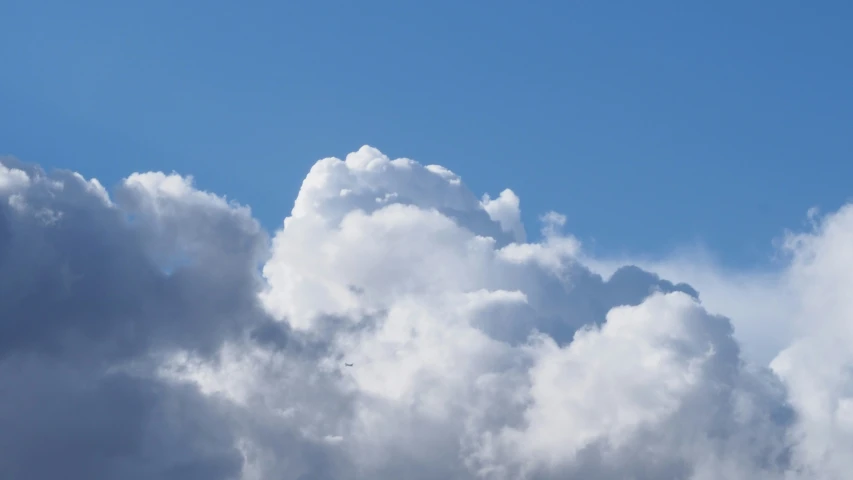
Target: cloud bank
(158,332)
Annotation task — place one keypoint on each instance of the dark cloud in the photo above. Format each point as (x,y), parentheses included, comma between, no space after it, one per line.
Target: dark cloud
(83,304)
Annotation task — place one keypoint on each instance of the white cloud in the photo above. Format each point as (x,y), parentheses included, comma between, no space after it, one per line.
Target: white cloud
(796,318)
(505,210)
(12,179)
(138,324)
(758,302)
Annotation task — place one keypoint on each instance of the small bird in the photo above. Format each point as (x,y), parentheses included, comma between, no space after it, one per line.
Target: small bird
(348,364)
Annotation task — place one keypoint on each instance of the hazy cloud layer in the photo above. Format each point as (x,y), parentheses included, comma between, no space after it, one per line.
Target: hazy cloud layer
(157,331)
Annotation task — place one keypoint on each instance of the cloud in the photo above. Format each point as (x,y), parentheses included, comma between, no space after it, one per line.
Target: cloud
(794,317)
(87,310)
(157,331)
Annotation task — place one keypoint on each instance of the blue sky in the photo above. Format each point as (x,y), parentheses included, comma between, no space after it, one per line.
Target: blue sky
(649,124)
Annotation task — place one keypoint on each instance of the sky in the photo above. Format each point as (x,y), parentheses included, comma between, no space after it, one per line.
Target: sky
(378,242)
(650,125)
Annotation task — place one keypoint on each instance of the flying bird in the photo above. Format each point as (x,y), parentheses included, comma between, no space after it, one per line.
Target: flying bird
(348,364)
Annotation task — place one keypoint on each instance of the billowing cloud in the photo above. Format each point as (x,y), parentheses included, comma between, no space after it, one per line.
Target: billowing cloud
(157,331)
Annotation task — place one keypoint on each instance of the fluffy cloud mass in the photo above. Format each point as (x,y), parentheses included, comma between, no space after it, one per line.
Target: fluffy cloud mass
(398,326)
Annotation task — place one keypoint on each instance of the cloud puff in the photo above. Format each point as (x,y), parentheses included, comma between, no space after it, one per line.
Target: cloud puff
(87,311)
(157,331)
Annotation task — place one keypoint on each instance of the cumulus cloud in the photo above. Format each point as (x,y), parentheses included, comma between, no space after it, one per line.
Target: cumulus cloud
(157,331)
